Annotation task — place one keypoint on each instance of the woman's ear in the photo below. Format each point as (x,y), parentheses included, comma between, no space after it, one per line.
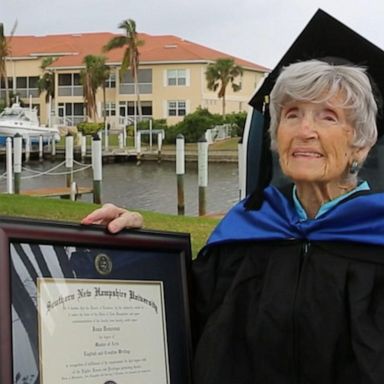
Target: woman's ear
(360,154)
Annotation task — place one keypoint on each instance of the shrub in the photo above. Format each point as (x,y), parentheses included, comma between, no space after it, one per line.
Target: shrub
(237,120)
(193,126)
(89,128)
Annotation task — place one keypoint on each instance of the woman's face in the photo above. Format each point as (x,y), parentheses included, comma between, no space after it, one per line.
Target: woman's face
(314,142)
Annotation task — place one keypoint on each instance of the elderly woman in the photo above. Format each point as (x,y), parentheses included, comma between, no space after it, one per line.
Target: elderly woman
(294,292)
(290,287)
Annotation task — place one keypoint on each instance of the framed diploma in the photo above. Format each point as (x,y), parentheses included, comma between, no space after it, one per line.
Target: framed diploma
(79,305)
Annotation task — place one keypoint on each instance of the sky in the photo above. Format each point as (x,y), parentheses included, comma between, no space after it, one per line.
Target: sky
(256,30)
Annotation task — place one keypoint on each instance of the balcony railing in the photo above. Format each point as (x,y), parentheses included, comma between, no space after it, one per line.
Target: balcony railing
(68,121)
(71,90)
(27,92)
(129,88)
(129,120)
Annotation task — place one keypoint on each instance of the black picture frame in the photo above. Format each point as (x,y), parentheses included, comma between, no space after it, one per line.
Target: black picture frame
(133,254)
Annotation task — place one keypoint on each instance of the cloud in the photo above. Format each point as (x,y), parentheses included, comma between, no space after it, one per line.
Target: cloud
(256,30)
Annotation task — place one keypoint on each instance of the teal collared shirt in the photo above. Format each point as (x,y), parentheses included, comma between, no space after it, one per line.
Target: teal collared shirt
(364,186)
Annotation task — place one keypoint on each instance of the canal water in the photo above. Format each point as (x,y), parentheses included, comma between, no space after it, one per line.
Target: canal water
(150,186)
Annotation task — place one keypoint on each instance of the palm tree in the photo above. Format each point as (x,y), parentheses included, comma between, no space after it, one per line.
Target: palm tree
(94,75)
(46,83)
(221,73)
(5,51)
(131,55)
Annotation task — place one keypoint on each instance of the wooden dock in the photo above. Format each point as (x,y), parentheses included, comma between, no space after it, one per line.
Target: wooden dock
(62,192)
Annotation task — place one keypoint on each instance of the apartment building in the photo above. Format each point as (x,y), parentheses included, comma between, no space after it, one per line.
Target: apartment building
(171,78)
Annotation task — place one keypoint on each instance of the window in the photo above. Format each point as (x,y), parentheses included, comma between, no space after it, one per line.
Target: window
(144,78)
(110,109)
(21,82)
(10,83)
(78,109)
(65,79)
(177,108)
(70,84)
(71,114)
(2,87)
(27,86)
(76,79)
(111,81)
(176,77)
(127,108)
(33,81)
(146,108)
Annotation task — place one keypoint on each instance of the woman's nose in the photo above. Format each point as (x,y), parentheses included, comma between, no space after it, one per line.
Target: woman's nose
(307,127)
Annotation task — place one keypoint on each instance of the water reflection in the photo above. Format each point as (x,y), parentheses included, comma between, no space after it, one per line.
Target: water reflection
(151,186)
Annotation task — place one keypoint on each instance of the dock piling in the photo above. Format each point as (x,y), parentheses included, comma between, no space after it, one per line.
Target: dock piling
(69,159)
(97,166)
(83,147)
(27,149)
(138,148)
(40,148)
(159,145)
(18,143)
(9,165)
(180,170)
(202,150)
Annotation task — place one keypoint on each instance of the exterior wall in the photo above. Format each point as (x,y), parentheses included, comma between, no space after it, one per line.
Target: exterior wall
(164,93)
(23,68)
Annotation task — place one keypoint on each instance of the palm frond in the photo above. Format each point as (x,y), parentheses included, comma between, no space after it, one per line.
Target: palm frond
(115,42)
(219,74)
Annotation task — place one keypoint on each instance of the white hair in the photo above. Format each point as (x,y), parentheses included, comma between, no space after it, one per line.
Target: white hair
(318,81)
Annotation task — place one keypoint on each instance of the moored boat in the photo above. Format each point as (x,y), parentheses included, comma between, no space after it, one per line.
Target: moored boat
(22,120)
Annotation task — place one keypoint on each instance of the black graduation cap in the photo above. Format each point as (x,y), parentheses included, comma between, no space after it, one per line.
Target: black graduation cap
(323,37)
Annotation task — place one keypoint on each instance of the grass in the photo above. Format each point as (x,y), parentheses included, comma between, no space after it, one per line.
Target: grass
(225,145)
(65,210)
(113,141)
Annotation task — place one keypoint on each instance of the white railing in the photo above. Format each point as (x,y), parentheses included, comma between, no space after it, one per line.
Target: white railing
(219,132)
(130,120)
(68,121)
(70,90)
(27,92)
(129,88)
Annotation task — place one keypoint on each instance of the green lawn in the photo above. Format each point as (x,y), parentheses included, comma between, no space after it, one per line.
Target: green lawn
(64,210)
(113,141)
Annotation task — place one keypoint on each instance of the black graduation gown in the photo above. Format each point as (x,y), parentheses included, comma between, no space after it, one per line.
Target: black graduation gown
(289,311)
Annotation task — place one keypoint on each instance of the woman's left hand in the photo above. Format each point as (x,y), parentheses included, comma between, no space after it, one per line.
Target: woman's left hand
(115,218)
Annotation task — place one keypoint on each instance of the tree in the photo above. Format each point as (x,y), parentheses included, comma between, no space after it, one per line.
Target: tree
(221,73)
(5,51)
(131,54)
(46,83)
(94,75)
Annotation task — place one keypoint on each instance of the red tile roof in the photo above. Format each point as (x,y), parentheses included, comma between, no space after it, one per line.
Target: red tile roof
(71,49)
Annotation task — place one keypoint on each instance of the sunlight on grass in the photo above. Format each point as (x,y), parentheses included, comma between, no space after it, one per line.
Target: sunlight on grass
(65,210)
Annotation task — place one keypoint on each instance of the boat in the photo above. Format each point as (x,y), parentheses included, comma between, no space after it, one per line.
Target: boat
(22,120)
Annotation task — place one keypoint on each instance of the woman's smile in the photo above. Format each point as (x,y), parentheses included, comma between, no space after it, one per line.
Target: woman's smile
(306,153)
